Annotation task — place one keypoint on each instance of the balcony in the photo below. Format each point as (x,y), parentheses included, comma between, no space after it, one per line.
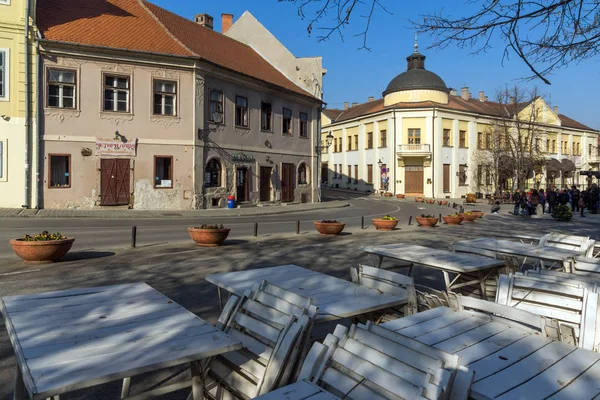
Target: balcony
(416,150)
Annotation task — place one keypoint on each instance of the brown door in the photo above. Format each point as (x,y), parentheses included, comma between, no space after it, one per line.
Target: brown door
(265,183)
(446,178)
(288,182)
(413,178)
(114,181)
(243,185)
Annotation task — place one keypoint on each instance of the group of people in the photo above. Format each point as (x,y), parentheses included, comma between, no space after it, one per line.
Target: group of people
(527,202)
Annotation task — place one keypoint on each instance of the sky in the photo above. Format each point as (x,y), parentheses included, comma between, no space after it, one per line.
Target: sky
(354,74)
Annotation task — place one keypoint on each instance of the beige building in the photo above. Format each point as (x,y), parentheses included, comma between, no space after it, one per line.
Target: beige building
(148,110)
(424,138)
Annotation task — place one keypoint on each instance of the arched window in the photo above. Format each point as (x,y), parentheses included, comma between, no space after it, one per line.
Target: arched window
(302,175)
(212,173)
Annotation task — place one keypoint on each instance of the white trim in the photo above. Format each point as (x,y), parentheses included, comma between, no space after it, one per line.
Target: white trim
(6,96)
(3,159)
(5,2)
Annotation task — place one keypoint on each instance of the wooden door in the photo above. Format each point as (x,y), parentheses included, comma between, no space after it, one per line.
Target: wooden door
(288,182)
(243,185)
(324,173)
(446,178)
(114,181)
(413,179)
(265,183)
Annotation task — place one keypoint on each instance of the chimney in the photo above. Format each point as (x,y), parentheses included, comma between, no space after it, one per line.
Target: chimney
(371,98)
(464,93)
(345,105)
(453,92)
(354,104)
(485,98)
(511,100)
(556,110)
(226,22)
(205,20)
(482,96)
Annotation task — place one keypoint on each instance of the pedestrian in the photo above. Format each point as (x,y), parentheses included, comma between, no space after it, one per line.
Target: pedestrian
(516,198)
(534,201)
(551,198)
(582,201)
(593,199)
(543,200)
(575,193)
(524,204)
(563,197)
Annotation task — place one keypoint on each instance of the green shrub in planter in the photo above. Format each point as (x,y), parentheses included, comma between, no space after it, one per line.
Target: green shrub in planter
(562,213)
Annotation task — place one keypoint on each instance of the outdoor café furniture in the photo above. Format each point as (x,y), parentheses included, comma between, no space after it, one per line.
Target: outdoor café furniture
(584,244)
(273,325)
(565,278)
(335,298)
(74,339)
(549,255)
(586,266)
(470,271)
(509,361)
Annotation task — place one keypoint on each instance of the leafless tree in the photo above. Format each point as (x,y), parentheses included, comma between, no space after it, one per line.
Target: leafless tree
(546,35)
(334,16)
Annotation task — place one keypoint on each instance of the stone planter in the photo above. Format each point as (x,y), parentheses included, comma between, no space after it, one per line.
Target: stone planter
(452,220)
(44,251)
(388,194)
(469,217)
(430,201)
(208,237)
(419,199)
(443,202)
(330,228)
(385,224)
(479,214)
(422,221)
(399,196)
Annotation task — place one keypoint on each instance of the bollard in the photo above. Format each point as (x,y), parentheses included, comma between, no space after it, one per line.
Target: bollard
(297,227)
(255,229)
(440,216)
(362,222)
(410,220)
(133,235)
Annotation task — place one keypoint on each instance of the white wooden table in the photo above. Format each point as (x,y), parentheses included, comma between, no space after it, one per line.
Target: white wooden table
(550,254)
(78,338)
(470,270)
(509,362)
(335,298)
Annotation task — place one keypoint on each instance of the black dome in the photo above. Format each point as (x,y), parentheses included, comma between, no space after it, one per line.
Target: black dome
(416,77)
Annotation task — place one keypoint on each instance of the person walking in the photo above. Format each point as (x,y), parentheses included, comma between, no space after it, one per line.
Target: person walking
(582,201)
(516,198)
(575,193)
(543,200)
(551,198)
(524,204)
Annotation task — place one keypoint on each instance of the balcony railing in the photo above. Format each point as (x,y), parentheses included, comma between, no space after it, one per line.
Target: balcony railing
(414,148)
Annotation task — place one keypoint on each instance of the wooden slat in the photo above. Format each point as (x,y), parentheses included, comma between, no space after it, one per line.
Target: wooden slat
(249,363)
(253,345)
(482,341)
(421,317)
(257,327)
(546,299)
(383,274)
(272,316)
(349,387)
(416,331)
(224,374)
(522,282)
(286,295)
(450,331)
(590,334)
(114,290)
(300,390)
(278,303)
(585,386)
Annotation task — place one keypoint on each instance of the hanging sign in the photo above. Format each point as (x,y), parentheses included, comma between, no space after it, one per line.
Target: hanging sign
(241,157)
(112,147)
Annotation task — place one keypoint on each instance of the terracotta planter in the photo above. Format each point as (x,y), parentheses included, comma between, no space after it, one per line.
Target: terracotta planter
(388,194)
(479,214)
(452,220)
(419,199)
(469,217)
(44,251)
(422,221)
(208,237)
(330,228)
(430,201)
(385,224)
(399,196)
(443,202)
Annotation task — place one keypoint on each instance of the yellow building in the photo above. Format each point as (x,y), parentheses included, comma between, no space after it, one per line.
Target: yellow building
(425,138)
(18,130)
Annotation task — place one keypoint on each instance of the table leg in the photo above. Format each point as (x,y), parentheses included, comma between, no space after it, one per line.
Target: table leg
(19,389)
(125,388)
(446,281)
(197,381)
(220,297)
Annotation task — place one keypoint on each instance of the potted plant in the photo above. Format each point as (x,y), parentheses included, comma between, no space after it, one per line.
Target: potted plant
(427,220)
(330,227)
(453,219)
(386,223)
(468,216)
(430,201)
(399,196)
(388,194)
(443,202)
(477,213)
(42,248)
(209,235)
(419,199)
(562,213)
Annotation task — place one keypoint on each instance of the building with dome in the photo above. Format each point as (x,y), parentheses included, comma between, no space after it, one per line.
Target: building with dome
(424,138)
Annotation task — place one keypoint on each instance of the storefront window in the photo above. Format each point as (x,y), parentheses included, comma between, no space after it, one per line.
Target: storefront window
(59,170)
(163,172)
(212,173)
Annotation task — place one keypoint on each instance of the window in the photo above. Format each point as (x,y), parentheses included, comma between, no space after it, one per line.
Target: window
(266,115)
(61,88)
(303,125)
(446,138)
(369,140)
(287,121)
(4,74)
(479,174)
(335,171)
(165,98)
(59,171)
(302,176)
(216,111)
(116,93)
(488,140)
(355,142)
(349,173)
(577,149)
(462,175)
(370,174)
(335,145)
(480,140)
(553,145)
(163,172)
(462,139)
(349,143)
(414,136)
(241,111)
(212,173)
(488,176)
(548,145)
(355,174)
(339,171)
(589,153)
(537,144)
(383,138)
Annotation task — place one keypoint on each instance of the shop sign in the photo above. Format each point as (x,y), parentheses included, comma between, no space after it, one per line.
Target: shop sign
(112,147)
(241,157)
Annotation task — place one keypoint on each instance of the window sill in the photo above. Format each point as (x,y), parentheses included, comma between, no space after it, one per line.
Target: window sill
(383,147)
(59,187)
(462,185)
(116,112)
(165,116)
(352,150)
(447,145)
(163,187)
(369,148)
(303,137)
(242,127)
(51,108)
(266,131)
(463,147)
(287,134)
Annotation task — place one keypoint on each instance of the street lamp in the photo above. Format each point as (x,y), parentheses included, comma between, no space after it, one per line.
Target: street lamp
(380,164)
(320,148)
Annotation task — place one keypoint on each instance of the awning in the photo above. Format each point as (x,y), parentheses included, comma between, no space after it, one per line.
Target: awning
(567,165)
(553,164)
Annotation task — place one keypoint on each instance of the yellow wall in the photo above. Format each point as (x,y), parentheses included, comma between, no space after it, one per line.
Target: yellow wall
(337,135)
(325,120)
(543,113)
(383,126)
(368,128)
(413,123)
(415,96)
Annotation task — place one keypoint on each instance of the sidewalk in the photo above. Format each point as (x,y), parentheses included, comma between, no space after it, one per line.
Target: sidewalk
(124,213)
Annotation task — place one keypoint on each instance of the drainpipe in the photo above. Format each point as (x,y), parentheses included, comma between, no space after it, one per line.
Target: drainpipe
(26,203)
(395,156)
(319,154)
(194,136)
(38,125)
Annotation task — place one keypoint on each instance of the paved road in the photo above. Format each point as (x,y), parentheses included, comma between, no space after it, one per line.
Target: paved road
(114,233)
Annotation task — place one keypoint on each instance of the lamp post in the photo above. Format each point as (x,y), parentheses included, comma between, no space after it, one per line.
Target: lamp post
(319,149)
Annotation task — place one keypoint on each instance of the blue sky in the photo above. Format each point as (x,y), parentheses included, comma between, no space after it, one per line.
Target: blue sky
(353,75)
